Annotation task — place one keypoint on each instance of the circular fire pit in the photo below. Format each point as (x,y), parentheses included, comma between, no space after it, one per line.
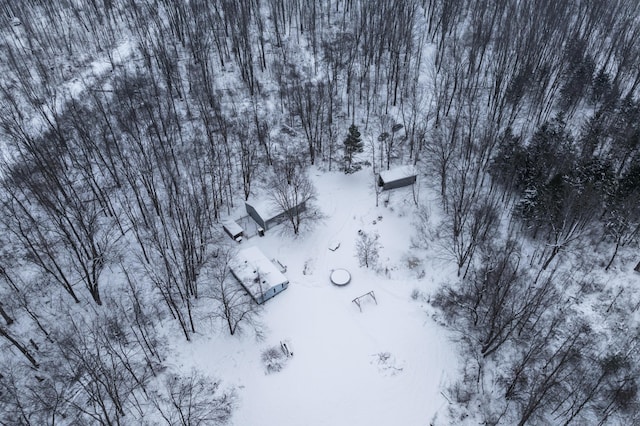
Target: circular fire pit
(340,277)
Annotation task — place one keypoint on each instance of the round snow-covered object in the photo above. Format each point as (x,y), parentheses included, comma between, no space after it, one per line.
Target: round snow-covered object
(340,277)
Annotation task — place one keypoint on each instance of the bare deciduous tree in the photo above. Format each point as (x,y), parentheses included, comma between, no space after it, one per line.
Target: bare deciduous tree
(193,400)
(236,307)
(294,195)
(368,249)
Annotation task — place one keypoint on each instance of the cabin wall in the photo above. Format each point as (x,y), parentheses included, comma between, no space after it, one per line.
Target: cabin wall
(399,183)
(284,216)
(273,291)
(268,223)
(255,216)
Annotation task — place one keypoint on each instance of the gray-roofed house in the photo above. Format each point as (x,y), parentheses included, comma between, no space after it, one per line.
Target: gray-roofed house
(397,177)
(257,274)
(267,214)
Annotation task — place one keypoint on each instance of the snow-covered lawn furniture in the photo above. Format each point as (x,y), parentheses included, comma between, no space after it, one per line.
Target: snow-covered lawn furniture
(358,300)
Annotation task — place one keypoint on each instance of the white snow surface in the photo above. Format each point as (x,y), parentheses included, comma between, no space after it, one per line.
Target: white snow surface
(339,374)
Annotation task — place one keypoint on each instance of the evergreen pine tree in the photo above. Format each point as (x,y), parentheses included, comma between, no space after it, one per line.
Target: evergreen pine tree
(352,144)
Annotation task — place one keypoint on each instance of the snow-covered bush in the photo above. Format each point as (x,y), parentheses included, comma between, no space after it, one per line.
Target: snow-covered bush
(416,294)
(387,363)
(273,359)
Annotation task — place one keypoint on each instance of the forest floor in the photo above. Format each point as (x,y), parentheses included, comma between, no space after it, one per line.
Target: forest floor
(388,364)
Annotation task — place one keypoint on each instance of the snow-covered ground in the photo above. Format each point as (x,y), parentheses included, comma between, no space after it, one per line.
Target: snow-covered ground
(385,365)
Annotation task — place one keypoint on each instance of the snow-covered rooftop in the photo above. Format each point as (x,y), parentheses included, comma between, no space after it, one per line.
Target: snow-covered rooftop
(232,227)
(397,173)
(256,272)
(265,207)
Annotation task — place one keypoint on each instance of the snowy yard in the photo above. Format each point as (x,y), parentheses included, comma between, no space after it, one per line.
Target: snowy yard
(386,365)
(484,276)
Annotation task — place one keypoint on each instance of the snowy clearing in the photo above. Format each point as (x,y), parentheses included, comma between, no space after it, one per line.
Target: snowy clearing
(385,365)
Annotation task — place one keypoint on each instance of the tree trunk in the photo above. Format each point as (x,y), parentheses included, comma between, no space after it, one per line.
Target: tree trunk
(19,346)
(615,252)
(95,294)
(553,254)
(6,316)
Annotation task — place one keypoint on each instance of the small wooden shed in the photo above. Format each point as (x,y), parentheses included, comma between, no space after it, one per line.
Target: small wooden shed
(397,177)
(257,274)
(234,230)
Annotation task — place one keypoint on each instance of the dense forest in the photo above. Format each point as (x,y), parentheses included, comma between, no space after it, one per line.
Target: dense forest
(129,128)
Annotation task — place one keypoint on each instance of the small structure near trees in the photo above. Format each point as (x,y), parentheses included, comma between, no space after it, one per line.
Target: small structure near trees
(257,274)
(289,198)
(397,177)
(292,193)
(234,230)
